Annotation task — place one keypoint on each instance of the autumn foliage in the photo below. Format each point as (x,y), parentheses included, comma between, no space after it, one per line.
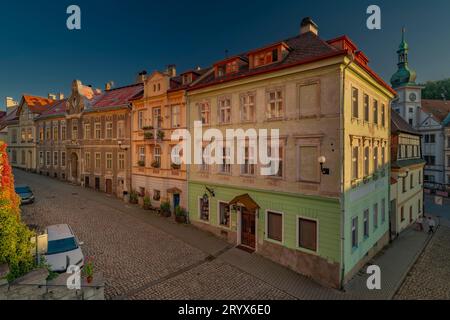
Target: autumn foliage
(15,245)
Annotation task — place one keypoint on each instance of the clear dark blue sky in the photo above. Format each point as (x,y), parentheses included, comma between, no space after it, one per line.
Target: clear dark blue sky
(39,54)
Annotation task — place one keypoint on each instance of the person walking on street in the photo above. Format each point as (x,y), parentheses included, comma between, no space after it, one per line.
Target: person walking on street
(431,225)
(420,223)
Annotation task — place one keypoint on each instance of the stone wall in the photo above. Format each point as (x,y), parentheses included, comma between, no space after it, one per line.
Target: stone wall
(34,286)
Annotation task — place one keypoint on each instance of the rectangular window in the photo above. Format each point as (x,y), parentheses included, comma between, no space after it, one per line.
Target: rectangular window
(404,184)
(411,181)
(41,158)
(175,116)
(280,170)
(63,158)
(248,168)
(375,112)
(140,119)
(375,158)
(275,104)
(275,226)
(109,130)
(355,232)
(366,161)
(120,129)
(87,160)
(419,206)
(47,134)
(248,107)
(402,214)
(383,156)
(55,133)
(142,154)
(63,132)
(355,103)
(157,156)
(224,110)
(383,115)
(98,160)
(225,166)
(308,165)
(366,108)
(55,158)
(47,158)
(224,214)
(355,163)
(109,161)
(431,160)
(307,234)
(383,211)
(204,167)
(121,161)
(87,131)
(411,214)
(375,216)
(204,112)
(204,209)
(74,131)
(157,118)
(98,130)
(366,224)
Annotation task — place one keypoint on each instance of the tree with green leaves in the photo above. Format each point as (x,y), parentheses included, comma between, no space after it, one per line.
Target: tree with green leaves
(437,90)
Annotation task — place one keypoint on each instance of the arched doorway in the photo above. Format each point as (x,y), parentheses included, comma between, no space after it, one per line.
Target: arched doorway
(74,166)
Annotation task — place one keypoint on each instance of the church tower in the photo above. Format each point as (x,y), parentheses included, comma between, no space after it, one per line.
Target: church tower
(408,101)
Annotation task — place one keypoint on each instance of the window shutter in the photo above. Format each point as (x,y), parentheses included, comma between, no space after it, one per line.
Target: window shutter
(308,234)
(275,226)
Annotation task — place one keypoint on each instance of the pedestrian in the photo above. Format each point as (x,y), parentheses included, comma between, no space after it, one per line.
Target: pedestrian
(420,223)
(431,225)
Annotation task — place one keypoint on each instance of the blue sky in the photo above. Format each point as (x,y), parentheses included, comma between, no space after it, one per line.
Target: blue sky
(120,38)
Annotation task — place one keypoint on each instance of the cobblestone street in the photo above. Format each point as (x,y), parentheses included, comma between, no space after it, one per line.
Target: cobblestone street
(137,259)
(429,279)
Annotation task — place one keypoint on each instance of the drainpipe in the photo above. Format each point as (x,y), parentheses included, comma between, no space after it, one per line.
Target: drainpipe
(342,138)
(188,166)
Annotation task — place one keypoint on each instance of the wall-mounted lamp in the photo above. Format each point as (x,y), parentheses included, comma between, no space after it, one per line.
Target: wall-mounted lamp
(211,193)
(121,147)
(405,174)
(325,171)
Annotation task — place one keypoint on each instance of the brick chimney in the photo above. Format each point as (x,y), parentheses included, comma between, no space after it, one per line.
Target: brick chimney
(308,25)
(109,86)
(141,76)
(60,96)
(10,103)
(171,70)
(52,96)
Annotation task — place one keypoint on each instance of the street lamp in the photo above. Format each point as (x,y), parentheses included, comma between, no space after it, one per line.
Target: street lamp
(121,147)
(322,160)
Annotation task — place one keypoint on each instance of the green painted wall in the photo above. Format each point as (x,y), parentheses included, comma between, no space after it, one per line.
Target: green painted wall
(326,211)
(356,202)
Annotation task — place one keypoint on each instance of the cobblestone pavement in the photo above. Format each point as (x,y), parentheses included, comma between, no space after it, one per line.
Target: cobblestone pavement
(137,259)
(429,279)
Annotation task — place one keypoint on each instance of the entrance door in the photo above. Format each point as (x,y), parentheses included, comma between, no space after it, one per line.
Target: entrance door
(248,228)
(108,186)
(74,166)
(176,200)
(86,182)
(97,183)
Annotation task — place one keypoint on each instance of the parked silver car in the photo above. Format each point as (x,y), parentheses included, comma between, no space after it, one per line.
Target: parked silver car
(63,248)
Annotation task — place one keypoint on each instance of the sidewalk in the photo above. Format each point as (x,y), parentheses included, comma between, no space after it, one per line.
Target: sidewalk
(395,262)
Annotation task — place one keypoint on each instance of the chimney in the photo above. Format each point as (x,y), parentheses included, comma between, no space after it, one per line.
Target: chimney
(52,96)
(172,70)
(60,96)
(141,76)
(10,103)
(109,85)
(308,25)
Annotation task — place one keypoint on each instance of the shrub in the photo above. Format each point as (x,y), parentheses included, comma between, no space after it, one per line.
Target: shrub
(156,164)
(161,135)
(147,203)
(165,207)
(180,212)
(15,244)
(134,197)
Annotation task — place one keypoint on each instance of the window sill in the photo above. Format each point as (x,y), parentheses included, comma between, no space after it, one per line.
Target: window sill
(281,243)
(308,251)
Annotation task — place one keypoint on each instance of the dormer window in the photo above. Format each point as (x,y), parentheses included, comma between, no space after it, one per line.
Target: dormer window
(229,66)
(187,78)
(268,55)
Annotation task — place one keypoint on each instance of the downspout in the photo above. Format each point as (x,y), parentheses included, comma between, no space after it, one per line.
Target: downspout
(342,138)
(188,166)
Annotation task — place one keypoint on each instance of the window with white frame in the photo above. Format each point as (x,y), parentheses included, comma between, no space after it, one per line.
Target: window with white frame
(87,160)
(366,224)
(205,112)
(355,103)
(224,214)
(142,154)
(63,131)
(109,130)
(280,172)
(249,167)
(48,158)
(55,132)
(383,115)
(366,161)
(225,166)
(175,155)
(140,119)
(204,167)
(355,163)
(47,133)
(121,160)
(275,226)
(74,131)
(120,129)
(157,118)
(275,104)
(175,115)
(375,112)
(98,160)
(204,209)
(98,130)
(55,158)
(224,110)
(366,108)
(157,155)
(248,107)
(375,158)
(109,161)
(41,158)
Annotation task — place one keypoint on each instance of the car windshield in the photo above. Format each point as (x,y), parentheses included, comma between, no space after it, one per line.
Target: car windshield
(60,246)
(23,190)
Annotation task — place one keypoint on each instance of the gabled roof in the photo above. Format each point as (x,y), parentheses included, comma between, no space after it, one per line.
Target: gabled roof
(398,124)
(35,103)
(439,109)
(9,118)
(57,109)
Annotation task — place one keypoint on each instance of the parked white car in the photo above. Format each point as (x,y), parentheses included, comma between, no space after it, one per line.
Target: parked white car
(63,248)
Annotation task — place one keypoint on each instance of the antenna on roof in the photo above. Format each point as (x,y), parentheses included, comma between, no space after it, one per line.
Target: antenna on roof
(226,53)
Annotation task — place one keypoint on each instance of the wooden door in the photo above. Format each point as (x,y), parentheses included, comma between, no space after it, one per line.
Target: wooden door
(108,186)
(248,228)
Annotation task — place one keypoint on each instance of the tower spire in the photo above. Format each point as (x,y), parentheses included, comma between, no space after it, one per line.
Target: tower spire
(404,75)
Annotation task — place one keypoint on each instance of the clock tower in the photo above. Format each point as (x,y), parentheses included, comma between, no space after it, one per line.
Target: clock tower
(409,94)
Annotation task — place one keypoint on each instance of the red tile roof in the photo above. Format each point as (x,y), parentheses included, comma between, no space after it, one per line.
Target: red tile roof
(117,97)
(303,49)
(10,117)
(439,109)
(398,124)
(37,104)
(57,108)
